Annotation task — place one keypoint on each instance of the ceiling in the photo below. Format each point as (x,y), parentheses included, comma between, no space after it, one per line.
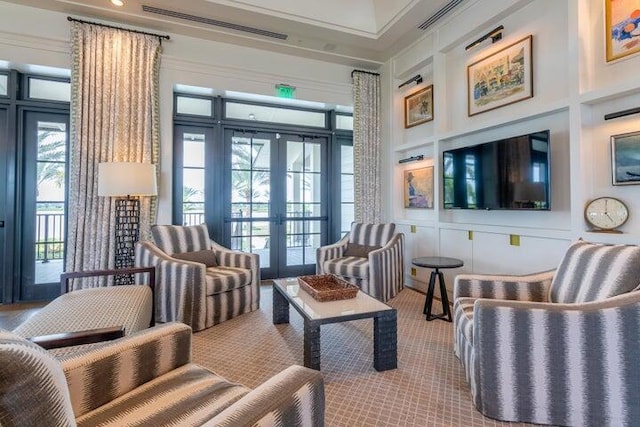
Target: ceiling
(359,33)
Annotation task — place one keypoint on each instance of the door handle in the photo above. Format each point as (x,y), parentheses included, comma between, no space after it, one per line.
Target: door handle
(1,224)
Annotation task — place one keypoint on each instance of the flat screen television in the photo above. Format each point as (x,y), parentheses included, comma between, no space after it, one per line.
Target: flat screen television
(511,173)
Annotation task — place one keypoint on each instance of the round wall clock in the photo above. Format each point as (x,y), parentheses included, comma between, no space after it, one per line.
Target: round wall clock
(606,214)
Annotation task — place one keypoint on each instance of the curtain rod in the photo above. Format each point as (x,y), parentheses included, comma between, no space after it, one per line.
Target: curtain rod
(364,72)
(160,36)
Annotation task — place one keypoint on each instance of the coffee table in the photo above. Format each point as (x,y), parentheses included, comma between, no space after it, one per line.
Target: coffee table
(287,292)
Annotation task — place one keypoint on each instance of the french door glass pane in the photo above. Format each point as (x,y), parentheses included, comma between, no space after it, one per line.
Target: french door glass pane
(251,196)
(302,239)
(193,178)
(51,157)
(304,191)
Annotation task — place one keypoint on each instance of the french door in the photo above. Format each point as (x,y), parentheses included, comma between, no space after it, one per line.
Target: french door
(278,199)
(44,208)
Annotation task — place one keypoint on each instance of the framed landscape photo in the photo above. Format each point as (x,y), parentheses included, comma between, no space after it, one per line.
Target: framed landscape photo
(418,188)
(418,107)
(625,158)
(500,79)
(622,28)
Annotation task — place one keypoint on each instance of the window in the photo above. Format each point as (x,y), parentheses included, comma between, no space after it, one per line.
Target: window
(194,106)
(263,113)
(4,85)
(51,90)
(344,122)
(193,180)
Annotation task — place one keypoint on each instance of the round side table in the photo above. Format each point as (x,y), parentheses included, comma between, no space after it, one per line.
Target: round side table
(437,263)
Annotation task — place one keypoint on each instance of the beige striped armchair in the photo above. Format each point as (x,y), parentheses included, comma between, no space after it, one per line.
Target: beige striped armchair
(145,379)
(199,282)
(560,347)
(370,256)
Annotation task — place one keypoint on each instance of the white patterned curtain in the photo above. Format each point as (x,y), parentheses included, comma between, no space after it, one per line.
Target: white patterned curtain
(114,117)
(366,146)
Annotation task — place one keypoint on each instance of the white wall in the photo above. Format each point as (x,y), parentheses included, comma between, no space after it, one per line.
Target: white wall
(30,36)
(573,88)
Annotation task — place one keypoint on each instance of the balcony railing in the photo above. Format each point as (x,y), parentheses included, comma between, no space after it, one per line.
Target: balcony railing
(49,236)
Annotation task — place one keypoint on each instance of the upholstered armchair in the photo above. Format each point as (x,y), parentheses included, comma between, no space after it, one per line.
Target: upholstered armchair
(559,347)
(370,256)
(144,379)
(199,282)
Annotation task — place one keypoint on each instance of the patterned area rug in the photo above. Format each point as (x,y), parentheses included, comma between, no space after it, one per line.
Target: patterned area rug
(427,389)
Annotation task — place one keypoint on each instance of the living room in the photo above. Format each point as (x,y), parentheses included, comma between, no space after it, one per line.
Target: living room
(574,88)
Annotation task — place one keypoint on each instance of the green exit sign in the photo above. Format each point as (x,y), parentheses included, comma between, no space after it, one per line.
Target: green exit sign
(285,91)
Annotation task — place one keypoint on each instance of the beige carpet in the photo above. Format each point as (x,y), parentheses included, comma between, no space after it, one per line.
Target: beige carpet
(427,389)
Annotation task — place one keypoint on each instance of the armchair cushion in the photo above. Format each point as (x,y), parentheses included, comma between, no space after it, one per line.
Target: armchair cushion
(463,314)
(222,279)
(188,395)
(172,239)
(593,272)
(348,266)
(354,249)
(206,257)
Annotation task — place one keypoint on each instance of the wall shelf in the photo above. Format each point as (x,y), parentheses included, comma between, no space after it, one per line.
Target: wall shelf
(611,92)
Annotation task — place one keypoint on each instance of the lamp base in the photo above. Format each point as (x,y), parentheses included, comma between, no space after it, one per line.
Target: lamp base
(127,233)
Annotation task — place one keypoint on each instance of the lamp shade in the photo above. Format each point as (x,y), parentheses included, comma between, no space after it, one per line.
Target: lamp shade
(127,179)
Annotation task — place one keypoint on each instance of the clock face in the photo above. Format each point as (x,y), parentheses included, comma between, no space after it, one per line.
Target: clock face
(606,213)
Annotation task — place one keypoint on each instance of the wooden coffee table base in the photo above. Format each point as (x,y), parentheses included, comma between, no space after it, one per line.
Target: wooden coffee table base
(385,338)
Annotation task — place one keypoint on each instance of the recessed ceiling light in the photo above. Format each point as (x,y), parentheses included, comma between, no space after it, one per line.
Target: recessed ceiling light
(117,2)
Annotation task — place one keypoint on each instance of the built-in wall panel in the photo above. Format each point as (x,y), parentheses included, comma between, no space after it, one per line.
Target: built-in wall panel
(574,87)
(549,64)
(498,253)
(456,243)
(420,241)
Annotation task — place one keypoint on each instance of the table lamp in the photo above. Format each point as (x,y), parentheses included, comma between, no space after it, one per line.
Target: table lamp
(126,181)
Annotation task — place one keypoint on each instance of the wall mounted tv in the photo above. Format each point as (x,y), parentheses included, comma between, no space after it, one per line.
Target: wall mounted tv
(511,173)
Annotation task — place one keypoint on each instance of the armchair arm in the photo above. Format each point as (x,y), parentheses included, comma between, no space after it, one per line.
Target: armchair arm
(531,287)
(180,286)
(325,253)
(295,396)
(524,350)
(67,339)
(386,268)
(101,374)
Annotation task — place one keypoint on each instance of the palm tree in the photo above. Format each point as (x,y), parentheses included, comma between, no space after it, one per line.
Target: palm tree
(51,157)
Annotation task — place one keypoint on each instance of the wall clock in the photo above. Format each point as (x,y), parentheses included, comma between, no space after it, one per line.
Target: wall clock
(606,214)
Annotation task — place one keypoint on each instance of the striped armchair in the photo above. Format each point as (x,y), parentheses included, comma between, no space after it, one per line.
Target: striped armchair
(370,256)
(217,285)
(144,379)
(559,347)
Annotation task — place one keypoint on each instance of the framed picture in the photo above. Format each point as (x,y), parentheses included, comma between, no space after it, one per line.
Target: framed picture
(625,158)
(500,79)
(418,188)
(418,107)
(622,28)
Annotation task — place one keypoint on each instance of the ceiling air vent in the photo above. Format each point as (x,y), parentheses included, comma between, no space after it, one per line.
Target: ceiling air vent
(439,14)
(213,22)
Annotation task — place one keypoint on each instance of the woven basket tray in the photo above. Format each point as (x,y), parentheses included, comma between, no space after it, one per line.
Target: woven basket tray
(327,287)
